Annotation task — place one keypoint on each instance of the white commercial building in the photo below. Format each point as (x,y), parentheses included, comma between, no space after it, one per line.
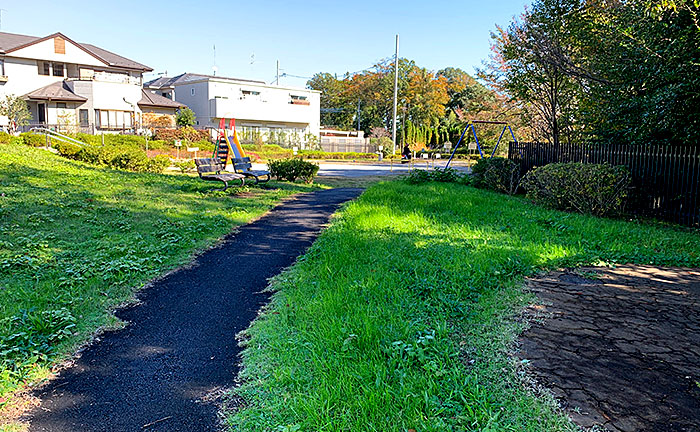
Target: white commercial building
(71,84)
(260,109)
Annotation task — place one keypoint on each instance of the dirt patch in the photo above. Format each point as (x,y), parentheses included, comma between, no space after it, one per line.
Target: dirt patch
(620,347)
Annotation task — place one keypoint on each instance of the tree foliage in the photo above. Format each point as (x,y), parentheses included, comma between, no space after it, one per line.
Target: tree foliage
(611,70)
(16,110)
(432,106)
(186,117)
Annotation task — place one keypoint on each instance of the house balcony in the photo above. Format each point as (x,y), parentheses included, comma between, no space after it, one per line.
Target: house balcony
(273,111)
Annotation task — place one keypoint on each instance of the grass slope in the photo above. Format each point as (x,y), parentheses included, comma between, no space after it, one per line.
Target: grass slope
(402,315)
(77,240)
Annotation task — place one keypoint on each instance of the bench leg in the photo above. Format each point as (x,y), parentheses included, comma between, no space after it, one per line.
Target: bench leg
(224,188)
(263,181)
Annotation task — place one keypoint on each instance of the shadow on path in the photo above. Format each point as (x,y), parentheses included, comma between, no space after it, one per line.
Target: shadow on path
(162,372)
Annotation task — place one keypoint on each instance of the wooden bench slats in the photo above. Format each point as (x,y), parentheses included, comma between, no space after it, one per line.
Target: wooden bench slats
(244,166)
(210,169)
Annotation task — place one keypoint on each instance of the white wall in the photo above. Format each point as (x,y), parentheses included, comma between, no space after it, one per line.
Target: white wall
(45,51)
(106,92)
(216,98)
(199,102)
(23,77)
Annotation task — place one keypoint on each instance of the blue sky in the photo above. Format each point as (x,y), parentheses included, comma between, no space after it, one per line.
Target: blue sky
(306,37)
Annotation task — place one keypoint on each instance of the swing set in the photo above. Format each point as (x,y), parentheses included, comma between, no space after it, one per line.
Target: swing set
(472,125)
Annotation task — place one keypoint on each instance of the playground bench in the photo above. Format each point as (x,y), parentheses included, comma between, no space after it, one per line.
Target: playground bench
(210,169)
(243,166)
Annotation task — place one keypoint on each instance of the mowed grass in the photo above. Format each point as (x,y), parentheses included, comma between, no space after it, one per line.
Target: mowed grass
(403,315)
(78,240)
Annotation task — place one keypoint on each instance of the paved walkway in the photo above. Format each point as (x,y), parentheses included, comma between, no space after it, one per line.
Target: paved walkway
(362,169)
(620,349)
(163,372)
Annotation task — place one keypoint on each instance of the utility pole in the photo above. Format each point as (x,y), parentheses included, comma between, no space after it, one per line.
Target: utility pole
(396,91)
(358,114)
(277,81)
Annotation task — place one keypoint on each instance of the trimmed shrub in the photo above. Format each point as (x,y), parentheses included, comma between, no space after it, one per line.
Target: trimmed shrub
(5,138)
(314,154)
(126,158)
(91,155)
(292,169)
(184,133)
(33,140)
(158,164)
(185,165)
(68,150)
(499,174)
(598,189)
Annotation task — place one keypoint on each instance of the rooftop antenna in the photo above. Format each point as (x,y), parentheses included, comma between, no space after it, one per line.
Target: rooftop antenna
(277,81)
(215,68)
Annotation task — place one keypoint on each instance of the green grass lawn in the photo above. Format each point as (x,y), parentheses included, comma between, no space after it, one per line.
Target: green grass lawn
(403,314)
(78,240)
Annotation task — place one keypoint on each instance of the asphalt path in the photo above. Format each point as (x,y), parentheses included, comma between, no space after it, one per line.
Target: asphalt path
(363,169)
(165,369)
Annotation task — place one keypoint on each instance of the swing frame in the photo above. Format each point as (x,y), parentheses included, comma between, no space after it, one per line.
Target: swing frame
(472,125)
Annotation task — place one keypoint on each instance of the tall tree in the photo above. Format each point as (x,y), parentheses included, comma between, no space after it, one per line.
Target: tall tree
(336,106)
(522,66)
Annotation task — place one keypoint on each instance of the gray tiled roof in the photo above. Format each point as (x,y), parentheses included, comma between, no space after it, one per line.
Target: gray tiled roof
(11,41)
(115,59)
(154,100)
(182,78)
(55,92)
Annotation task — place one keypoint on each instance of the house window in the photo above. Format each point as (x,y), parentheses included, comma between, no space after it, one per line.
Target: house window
(61,105)
(98,118)
(83,117)
(41,111)
(58,69)
(2,67)
(192,91)
(299,100)
(44,68)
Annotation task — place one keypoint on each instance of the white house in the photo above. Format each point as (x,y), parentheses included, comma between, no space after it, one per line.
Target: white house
(256,106)
(74,84)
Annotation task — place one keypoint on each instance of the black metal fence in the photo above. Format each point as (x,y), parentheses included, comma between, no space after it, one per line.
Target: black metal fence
(666,179)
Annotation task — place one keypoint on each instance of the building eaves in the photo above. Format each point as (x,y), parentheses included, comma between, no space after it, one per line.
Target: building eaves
(10,42)
(154,100)
(54,92)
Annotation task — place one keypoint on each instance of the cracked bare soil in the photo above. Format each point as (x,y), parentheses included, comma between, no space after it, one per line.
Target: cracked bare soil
(619,347)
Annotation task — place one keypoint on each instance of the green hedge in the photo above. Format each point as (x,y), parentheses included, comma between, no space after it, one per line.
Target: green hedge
(597,189)
(123,140)
(314,154)
(126,157)
(292,169)
(273,151)
(33,140)
(499,174)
